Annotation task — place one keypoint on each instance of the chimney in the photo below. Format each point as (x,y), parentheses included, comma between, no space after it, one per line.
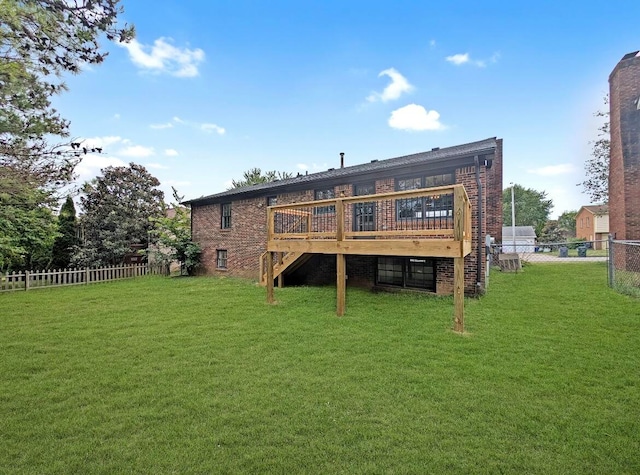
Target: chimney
(341,159)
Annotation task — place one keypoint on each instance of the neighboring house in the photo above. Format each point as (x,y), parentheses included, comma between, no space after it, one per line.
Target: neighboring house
(525,239)
(592,224)
(421,212)
(624,163)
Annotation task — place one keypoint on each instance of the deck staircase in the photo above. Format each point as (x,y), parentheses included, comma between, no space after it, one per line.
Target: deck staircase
(290,262)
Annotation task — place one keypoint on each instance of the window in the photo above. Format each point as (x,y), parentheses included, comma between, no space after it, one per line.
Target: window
(221,258)
(407,272)
(226,216)
(588,222)
(325,195)
(409,184)
(272,200)
(440,206)
(439,180)
(412,207)
(364,213)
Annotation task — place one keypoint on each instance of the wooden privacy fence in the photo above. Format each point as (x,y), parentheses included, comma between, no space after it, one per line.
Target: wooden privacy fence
(28,280)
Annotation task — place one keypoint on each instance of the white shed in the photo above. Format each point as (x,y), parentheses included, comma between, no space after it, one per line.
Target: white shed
(525,239)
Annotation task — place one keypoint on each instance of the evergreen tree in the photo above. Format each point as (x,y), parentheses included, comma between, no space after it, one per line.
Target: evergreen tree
(254,176)
(67,240)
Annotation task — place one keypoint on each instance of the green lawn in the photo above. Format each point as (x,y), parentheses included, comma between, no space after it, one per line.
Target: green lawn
(200,375)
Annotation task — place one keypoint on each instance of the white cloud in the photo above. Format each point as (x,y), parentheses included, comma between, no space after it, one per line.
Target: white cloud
(415,117)
(212,127)
(157,166)
(204,127)
(91,165)
(399,85)
(137,151)
(116,116)
(163,57)
(465,58)
(171,152)
(553,170)
(102,142)
(168,125)
(458,59)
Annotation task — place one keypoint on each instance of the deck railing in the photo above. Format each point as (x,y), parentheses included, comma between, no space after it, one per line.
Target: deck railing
(438,215)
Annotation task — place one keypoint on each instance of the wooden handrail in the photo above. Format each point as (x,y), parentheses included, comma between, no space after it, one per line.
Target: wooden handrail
(454,225)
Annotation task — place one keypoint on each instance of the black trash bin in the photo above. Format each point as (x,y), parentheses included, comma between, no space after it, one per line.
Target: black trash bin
(582,251)
(564,251)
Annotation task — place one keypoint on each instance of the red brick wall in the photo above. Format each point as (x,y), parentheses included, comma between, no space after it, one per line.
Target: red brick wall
(467,177)
(585,225)
(494,195)
(246,240)
(624,165)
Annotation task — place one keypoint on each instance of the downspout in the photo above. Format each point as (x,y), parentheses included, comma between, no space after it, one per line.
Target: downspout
(480,230)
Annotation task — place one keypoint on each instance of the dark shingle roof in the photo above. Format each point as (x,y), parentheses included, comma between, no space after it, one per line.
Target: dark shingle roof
(481,147)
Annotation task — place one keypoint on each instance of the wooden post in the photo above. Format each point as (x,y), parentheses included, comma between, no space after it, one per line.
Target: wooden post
(26,280)
(341,282)
(270,225)
(458,294)
(458,262)
(270,298)
(339,220)
(280,276)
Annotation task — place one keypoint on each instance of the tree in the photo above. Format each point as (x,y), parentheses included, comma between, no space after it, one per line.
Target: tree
(532,207)
(551,232)
(40,40)
(117,211)
(254,176)
(562,229)
(65,244)
(596,185)
(173,231)
(27,224)
(567,223)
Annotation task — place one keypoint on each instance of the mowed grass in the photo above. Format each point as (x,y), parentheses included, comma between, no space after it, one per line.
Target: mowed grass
(200,375)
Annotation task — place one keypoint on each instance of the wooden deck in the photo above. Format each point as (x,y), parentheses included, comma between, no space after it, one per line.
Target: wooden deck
(431,222)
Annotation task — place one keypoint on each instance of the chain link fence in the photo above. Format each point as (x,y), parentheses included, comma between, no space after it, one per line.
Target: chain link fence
(570,251)
(622,258)
(624,267)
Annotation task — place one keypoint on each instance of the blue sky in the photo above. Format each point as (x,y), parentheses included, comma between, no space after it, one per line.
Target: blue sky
(210,89)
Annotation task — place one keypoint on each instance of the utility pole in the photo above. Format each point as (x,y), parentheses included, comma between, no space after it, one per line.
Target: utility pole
(513,217)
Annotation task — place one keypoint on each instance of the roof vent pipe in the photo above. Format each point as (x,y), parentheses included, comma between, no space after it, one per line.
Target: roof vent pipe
(341,159)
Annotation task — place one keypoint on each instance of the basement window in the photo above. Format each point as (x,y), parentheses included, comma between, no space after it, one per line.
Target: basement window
(407,272)
(221,258)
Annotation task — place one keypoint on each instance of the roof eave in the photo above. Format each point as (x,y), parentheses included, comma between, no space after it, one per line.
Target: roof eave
(248,192)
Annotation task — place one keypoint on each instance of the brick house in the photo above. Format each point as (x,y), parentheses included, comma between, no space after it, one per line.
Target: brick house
(592,224)
(624,164)
(409,200)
